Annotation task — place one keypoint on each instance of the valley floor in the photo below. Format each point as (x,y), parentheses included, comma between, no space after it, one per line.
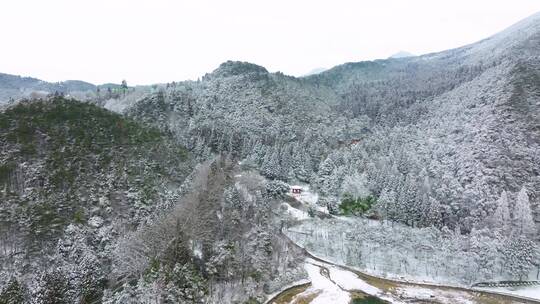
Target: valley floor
(333,283)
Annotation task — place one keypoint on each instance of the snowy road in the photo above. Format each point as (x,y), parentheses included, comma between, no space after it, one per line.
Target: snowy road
(330,284)
(336,283)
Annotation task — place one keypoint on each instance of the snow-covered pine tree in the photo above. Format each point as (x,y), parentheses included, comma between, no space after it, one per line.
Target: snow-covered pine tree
(270,166)
(53,287)
(184,284)
(522,217)
(386,204)
(520,255)
(434,213)
(233,199)
(402,207)
(254,155)
(286,161)
(326,169)
(356,184)
(501,218)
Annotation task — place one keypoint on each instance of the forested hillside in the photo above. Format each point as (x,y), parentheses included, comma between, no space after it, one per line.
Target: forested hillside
(96,207)
(452,129)
(15,87)
(73,177)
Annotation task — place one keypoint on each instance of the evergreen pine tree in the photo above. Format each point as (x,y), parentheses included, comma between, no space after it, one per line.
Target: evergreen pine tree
(53,288)
(13,293)
(520,256)
(501,217)
(522,217)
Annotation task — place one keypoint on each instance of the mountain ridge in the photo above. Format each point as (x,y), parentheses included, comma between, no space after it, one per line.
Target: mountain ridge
(380,100)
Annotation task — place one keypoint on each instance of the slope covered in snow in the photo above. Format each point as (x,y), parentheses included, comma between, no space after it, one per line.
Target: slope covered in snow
(444,149)
(455,128)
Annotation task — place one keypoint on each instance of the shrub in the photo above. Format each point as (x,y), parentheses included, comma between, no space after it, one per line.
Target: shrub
(13,293)
(356,206)
(53,287)
(78,217)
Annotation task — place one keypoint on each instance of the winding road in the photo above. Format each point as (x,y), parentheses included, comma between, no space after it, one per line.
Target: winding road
(360,283)
(394,291)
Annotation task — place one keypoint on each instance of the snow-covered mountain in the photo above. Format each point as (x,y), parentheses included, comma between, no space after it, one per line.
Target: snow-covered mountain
(457,127)
(179,196)
(16,87)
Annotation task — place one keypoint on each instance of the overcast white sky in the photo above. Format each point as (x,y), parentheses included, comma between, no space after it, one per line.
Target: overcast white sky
(164,40)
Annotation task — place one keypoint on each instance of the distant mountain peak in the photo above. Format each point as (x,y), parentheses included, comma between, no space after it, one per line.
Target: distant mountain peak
(402,54)
(315,71)
(518,39)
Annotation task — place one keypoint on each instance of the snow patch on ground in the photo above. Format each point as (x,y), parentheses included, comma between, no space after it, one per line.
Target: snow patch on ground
(340,282)
(329,292)
(532,292)
(95,222)
(297,214)
(426,294)
(308,198)
(351,281)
